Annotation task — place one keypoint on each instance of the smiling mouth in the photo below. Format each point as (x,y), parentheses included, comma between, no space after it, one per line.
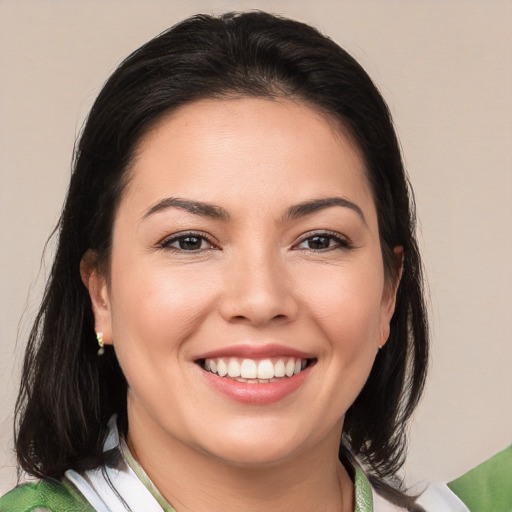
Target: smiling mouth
(256,371)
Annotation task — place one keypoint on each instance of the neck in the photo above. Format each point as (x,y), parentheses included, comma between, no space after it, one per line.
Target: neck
(194,481)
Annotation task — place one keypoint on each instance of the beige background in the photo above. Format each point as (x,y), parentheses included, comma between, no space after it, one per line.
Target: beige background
(445,69)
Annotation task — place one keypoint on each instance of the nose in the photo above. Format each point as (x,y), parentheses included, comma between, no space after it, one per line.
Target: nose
(258,291)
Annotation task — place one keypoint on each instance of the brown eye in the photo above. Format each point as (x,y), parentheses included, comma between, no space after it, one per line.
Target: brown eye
(190,243)
(323,242)
(318,242)
(187,243)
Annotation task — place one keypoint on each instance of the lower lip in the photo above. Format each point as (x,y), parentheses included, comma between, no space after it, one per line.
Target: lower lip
(258,394)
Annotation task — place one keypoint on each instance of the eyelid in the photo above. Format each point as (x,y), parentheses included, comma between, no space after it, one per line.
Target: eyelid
(343,241)
(165,242)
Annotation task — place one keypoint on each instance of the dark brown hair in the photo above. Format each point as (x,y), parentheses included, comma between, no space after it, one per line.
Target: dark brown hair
(67,393)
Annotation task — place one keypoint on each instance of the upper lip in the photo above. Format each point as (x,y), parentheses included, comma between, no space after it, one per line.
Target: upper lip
(256,352)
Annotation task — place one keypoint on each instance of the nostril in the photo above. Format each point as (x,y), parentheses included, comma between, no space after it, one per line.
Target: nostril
(257,306)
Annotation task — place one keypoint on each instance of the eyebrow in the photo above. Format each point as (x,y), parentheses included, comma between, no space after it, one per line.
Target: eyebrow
(315,205)
(218,213)
(195,207)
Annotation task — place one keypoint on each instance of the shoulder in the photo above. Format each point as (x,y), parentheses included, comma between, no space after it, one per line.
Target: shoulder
(487,486)
(434,498)
(44,496)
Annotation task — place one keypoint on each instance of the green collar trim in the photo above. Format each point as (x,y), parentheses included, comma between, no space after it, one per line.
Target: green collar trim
(144,478)
(362,491)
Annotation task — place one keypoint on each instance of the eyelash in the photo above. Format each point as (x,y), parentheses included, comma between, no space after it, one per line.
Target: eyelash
(166,244)
(340,242)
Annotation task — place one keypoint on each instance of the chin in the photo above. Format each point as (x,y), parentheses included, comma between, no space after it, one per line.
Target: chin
(256,447)
(253,456)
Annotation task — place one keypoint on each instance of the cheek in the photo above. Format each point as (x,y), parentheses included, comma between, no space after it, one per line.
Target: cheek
(156,311)
(155,306)
(346,303)
(345,307)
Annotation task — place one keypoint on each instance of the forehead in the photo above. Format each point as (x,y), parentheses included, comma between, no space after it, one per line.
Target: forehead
(247,147)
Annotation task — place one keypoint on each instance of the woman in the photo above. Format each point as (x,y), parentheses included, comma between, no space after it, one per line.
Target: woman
(238,239)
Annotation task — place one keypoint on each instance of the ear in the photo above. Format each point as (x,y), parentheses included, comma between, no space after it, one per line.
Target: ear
(96,283)
(389,297)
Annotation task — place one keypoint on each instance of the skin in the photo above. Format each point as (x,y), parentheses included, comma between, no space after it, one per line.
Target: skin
(255,279)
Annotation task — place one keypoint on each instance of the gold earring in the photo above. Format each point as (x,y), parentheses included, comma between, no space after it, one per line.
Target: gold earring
(99,337)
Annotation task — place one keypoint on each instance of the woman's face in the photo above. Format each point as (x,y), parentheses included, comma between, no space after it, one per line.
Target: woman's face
(245,242)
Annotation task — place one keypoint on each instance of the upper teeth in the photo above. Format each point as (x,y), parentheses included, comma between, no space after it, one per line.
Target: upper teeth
(263,369)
